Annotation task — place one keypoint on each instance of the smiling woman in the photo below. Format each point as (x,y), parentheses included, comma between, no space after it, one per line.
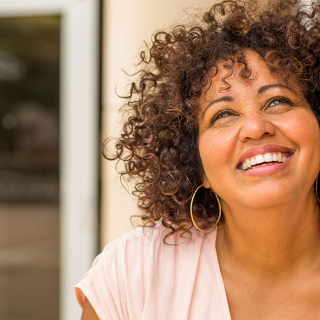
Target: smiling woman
(222,140)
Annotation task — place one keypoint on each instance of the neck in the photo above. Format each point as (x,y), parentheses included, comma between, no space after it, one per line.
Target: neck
(269,242)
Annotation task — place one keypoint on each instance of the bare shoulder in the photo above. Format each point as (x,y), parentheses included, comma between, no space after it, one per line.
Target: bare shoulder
(88,312)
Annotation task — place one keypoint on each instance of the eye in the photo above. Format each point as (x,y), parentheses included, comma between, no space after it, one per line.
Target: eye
(279,102)
(223,114)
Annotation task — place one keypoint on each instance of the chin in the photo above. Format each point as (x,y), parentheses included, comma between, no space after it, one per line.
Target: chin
(272,198)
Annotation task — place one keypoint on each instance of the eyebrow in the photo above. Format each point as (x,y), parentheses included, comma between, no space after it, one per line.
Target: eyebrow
(226,98)
(260,91)
(279,85)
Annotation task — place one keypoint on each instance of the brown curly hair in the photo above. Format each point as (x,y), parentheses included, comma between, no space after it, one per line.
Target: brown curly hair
(159,141)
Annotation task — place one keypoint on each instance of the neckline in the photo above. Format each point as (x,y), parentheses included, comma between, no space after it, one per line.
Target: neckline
(221,286)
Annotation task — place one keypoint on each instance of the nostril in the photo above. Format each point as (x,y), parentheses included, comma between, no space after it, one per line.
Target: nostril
(255,128)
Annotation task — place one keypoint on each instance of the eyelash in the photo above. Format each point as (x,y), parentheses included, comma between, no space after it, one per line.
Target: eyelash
(219,114)
(283,99)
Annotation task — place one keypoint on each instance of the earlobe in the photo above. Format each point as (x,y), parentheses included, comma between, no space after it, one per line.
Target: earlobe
(206,182)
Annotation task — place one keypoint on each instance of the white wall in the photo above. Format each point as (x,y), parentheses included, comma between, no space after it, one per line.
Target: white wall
(127,23)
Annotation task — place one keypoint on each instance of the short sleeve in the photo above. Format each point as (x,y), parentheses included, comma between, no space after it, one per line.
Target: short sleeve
(116,283)
(138,277)
(99,290)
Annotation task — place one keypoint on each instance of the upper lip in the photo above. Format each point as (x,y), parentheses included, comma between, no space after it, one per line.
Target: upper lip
(262,150)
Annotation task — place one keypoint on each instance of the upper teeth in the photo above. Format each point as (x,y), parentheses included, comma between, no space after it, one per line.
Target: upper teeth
(262,158)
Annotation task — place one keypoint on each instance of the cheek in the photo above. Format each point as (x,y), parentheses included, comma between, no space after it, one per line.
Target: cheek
(215,150)
(303,129)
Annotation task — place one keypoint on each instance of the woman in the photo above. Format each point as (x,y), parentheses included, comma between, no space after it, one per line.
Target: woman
(223,141)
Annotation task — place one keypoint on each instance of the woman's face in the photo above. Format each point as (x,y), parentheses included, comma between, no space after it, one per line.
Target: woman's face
(258,140)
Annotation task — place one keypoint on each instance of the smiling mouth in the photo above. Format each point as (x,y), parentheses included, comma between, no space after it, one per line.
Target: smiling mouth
(265,159)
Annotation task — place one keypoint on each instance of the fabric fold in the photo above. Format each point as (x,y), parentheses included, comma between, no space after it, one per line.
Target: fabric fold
(138,277)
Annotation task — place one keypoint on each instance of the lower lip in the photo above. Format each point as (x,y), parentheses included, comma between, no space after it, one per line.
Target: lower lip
(266,170)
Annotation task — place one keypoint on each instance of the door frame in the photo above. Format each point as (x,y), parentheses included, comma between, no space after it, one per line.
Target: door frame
(79,139)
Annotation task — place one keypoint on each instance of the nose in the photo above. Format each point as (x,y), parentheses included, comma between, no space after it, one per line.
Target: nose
(255,126)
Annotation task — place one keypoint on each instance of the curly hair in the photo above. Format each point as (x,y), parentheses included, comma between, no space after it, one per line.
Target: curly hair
(159,141)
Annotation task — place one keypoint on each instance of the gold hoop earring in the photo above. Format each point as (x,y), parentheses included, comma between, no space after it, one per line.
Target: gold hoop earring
(191,212)
(316,187)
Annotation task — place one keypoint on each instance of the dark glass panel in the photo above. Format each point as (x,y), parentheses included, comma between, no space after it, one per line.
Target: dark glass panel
(29,168)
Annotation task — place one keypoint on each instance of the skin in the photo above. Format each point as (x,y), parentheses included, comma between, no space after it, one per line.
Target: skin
(88,312)
(268,247)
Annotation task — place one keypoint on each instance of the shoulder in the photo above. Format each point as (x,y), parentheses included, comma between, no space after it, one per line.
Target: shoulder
(142,239)
(139,269)
(142,247)
(118,273)
(132,250)
(135,242)
(143,253)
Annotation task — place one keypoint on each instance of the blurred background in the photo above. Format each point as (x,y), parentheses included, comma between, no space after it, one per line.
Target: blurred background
(60,203)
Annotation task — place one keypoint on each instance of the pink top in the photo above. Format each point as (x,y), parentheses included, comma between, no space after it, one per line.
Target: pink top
(138,277)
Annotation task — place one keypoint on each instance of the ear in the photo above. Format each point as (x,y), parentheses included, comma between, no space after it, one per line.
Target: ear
(205,182)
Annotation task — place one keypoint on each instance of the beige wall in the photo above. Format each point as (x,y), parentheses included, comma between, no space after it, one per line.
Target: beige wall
(127,23)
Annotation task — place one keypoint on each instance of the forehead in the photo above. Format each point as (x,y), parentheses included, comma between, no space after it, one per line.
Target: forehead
(241,78)
(252,73)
